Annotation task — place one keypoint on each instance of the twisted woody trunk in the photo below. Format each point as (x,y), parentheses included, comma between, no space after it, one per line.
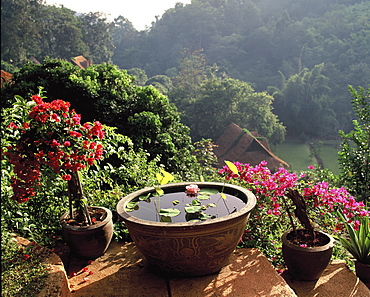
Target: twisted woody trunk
(76,197)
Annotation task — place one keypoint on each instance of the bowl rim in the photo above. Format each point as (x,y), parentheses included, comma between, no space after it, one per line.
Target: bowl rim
(126,216)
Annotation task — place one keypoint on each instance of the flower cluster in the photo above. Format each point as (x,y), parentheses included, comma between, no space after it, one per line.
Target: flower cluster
(52,136)
(274,186)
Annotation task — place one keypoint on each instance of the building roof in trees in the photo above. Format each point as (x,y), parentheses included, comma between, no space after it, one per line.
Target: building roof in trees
(239,145)
(81,62)
(5,77)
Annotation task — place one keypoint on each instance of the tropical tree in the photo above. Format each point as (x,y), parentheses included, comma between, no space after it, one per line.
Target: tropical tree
(224,101)
(354,156)
(104,92)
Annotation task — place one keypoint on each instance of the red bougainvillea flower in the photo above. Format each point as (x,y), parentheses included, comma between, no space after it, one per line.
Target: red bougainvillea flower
(51,137)
(26,257)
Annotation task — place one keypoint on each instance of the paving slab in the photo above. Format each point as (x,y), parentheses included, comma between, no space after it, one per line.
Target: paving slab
(336,281)
(123,272)
(249,274)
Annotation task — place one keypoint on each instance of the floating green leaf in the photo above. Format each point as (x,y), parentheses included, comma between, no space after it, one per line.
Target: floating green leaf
(165,219)
(131,206)
(212,205)
(204,197)
(169,212)
(208,191)
(145,198)
(175,202)
(203,216)
(195,202)
(223,195)
(193,209)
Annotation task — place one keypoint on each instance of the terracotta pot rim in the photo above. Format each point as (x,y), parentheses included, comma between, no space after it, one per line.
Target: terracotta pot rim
(84,228)
(325,247)
(126,216)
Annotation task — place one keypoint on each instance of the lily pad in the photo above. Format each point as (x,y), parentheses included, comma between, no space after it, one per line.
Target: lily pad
(169,212)
(204,197)
(193,209)
(131,206)
(208,191)
(195,202)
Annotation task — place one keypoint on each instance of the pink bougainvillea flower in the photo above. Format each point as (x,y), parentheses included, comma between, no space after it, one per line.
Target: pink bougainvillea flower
(85,269)
(90,262)
(311,167)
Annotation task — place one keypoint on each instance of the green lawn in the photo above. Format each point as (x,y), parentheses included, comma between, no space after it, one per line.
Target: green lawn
(297,154)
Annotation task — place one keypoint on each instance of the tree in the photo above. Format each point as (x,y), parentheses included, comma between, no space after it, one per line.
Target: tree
(303,104)
(95,34)
(224,101)
(106,93)
(60,33)
(354,157)
(19,31)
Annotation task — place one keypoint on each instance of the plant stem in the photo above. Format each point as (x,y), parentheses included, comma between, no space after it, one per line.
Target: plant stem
(75,194)
(289,215)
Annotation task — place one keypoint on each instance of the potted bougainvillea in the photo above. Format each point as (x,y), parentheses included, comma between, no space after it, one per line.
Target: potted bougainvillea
(296,199)
(47,140)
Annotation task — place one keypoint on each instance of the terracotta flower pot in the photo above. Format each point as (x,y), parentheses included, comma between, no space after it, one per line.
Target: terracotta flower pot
(89,242)
(307,263)
(189,248)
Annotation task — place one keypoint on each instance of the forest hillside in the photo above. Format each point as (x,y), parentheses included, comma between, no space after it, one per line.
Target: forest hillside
(299,56)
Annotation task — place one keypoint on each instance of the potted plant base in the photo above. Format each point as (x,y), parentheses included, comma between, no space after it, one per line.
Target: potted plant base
(363,272)
(188,248)
(89,241)
(307,263)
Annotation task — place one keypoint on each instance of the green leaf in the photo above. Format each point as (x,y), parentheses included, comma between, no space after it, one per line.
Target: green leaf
(132,206)
(175,202)
(165,219)
(203,197)
(203,216)
(195,202)
(169,212)
(145,198)
(232,167)
(208,191)
(212,205)
(223,195)
(193,209)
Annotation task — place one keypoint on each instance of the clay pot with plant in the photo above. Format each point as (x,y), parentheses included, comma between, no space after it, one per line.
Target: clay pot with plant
(47,140)
(306,249)
(357,242)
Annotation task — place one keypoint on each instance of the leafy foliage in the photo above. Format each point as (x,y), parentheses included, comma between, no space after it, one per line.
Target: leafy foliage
(105,93)
(354,157)
(358,242)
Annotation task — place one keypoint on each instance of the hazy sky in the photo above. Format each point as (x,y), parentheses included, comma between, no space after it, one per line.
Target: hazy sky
(140,13)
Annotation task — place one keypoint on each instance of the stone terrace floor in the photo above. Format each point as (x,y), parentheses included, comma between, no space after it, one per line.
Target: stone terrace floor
(123,272)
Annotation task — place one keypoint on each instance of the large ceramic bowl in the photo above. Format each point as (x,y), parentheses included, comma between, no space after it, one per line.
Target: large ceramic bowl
(189,248)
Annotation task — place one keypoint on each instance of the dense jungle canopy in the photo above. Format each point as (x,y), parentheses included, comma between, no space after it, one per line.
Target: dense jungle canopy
(263,64)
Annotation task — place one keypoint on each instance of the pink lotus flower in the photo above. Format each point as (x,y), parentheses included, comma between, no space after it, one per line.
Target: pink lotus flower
(192,190)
